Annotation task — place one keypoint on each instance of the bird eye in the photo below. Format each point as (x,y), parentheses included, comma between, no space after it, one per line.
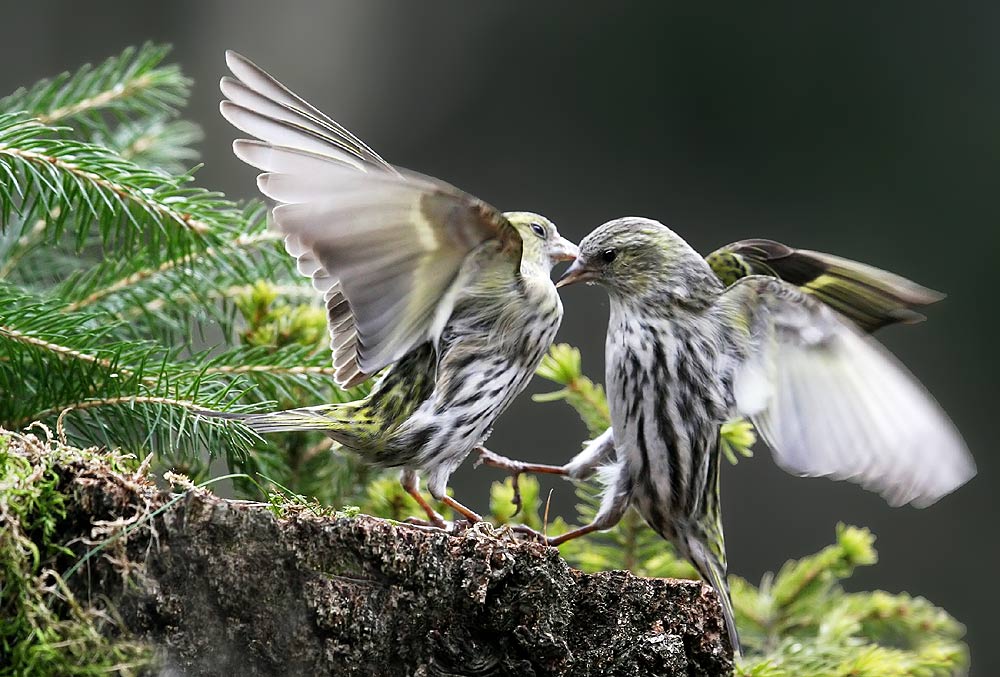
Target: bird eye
(538,230)
(608,255)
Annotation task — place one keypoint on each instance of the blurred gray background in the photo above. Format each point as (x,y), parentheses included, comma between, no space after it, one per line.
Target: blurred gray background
(870,132)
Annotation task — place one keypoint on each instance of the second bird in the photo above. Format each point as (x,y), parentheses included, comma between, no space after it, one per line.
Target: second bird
(685,354)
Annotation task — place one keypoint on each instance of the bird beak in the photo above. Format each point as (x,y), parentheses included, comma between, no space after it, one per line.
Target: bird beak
(578,272)
(564,250)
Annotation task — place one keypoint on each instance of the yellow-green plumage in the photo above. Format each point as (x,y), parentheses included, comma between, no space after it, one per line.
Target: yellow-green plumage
(869,297)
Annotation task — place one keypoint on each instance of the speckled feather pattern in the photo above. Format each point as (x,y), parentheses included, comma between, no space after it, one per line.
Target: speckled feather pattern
(482,370)
(433,407)
(669,379)
(685,355)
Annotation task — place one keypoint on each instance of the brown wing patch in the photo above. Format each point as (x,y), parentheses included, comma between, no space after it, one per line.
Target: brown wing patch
(465,224)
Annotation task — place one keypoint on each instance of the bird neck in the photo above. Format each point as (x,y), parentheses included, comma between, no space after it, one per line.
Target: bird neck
(535,268)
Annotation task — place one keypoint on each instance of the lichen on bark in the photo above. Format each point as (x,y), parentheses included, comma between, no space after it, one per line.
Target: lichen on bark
(228,587)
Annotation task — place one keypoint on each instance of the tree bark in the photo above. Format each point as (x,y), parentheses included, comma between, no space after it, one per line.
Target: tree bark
(227,588)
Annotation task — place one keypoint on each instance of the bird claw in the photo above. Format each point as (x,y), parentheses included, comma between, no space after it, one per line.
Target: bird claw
(450,527)
(439,523)
(487,457)
(515,468)
(533,536)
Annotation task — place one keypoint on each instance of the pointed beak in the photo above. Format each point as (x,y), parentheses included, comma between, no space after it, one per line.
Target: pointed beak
(564,250)
(578,272)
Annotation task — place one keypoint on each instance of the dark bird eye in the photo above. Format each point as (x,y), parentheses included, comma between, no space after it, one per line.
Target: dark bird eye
(608,255)
(538,230)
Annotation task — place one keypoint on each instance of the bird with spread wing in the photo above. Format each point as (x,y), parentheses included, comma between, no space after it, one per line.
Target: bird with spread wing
(869,297)
(685,354)
(446,297)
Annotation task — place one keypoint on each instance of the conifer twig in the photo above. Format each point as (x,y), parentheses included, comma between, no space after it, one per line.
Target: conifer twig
(125,192)
(61,350)
(242,241)
(133,82)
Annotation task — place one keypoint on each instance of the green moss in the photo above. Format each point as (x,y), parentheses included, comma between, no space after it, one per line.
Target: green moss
(44,628)
(285,503)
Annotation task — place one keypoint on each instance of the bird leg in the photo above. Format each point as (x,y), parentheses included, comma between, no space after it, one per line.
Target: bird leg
(555,541)
(461,509)
(614,502)
(597,452)
(576,533)
(494,460)
(411,484)
(516,469)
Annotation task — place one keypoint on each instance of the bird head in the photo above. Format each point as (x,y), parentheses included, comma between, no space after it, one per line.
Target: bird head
(635,257)
(541,243)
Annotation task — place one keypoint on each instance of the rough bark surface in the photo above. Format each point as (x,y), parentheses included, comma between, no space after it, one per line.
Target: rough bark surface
(227,588)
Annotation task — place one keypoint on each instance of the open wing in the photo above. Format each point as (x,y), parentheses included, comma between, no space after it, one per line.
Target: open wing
(870,297)
(832,402)
(383,246)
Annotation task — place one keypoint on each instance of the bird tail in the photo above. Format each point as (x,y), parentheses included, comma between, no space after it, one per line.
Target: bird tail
(331,419)
(712,568)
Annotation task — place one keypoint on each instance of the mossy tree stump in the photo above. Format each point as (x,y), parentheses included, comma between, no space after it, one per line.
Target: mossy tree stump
(229,588)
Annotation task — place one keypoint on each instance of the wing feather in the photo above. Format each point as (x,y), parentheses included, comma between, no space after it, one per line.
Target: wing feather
(870,297)
(832,402)
(383,246)
(261,82)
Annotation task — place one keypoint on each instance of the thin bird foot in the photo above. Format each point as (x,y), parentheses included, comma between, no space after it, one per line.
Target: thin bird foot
(436,521)
(556,541)
(434,518)
(468,514)
(443,525)
(532,535)
(516,469)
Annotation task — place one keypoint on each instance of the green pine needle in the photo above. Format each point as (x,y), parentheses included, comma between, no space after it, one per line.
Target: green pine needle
(133,83)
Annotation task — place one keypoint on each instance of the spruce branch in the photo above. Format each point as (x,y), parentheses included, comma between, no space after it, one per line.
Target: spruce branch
(127,104)
(155,143)
(800,621)
(64,351)
(70,367)
(52,179)
(271,369)
(182,300)
(233,257)
(131,83)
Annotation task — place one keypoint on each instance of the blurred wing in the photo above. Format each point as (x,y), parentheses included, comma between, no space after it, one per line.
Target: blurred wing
(833,403)
(870,297)
(282,117)
(384,248)
(340,319)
